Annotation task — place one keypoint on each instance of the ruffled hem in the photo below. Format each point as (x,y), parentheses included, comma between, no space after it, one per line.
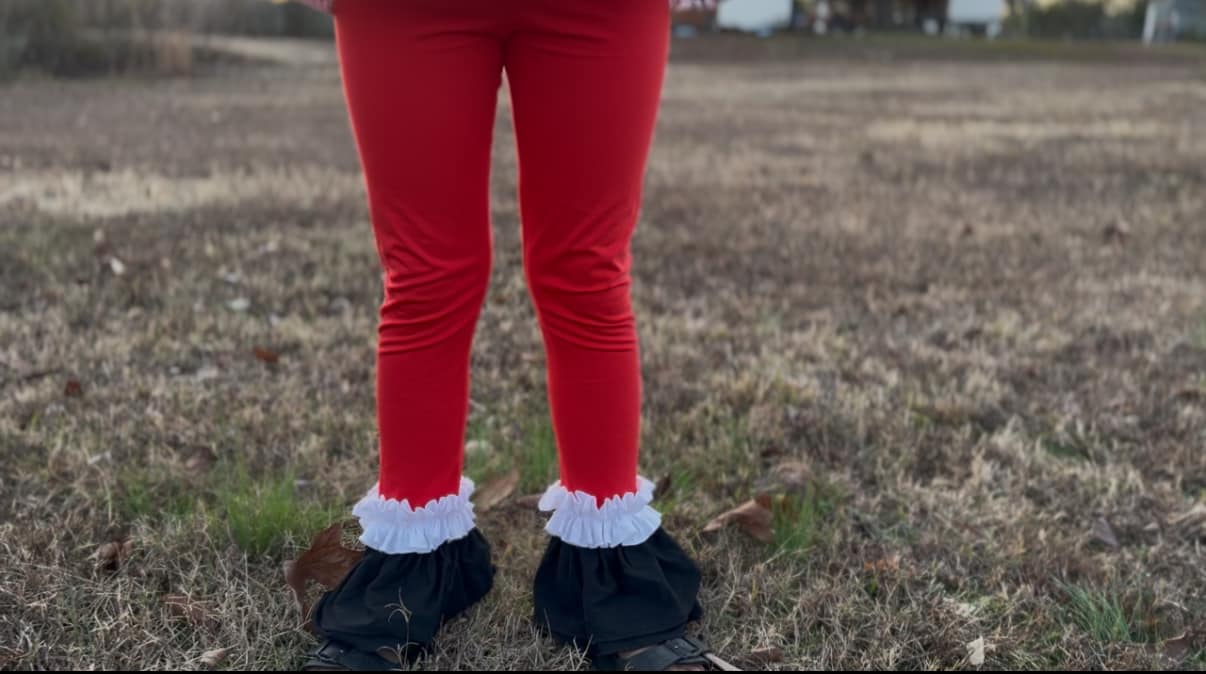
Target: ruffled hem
(579,520)
(609,600)
(393,527)
(400,601)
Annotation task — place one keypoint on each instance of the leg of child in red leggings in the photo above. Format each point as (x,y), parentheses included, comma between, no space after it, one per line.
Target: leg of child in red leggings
(585,81)
(421,77)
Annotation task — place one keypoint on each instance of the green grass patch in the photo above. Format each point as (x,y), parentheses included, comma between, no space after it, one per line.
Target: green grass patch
(1101,614)
(262,515)
(683,483)
(1198,337)
(481,461)
(802,519)
(1064,448)
(536,455)
(491,452)
(151,496)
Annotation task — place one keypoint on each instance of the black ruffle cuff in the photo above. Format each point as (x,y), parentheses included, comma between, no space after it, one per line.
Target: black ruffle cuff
(399,601)
(608,600)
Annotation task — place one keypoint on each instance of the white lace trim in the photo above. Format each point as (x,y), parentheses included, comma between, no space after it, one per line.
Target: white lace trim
(393,527)
(579,520)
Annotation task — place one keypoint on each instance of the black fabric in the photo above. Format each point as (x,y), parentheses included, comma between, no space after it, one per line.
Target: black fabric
(607,600)
(399,601)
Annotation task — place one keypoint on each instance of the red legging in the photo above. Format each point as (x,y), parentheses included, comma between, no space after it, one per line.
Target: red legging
(421,78)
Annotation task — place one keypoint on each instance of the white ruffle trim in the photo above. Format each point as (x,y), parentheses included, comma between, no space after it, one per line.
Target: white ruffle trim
(579,520)
(393,527)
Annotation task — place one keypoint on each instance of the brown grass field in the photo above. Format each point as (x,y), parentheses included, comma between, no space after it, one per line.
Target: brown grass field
(967,294)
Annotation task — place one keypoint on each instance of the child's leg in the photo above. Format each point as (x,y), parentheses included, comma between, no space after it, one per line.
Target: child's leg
(585,80)
(421,79)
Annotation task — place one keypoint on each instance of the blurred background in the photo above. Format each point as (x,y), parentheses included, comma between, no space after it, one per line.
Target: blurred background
(72,38)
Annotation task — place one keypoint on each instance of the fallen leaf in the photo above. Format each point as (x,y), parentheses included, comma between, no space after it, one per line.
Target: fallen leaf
(194,612)
(266,355)
(201,461)
(975,652)
(1116,231)
(794,474)
(1177,648)
(528,501)
(107,556)
(110,556)
(1195,515)
(217,656)
(1190,393)
(326,562)
(73,389)
(771,451)
(753,517)
(206,373)
(663,486)
(1104,533)
(496,491)
(887,564)
(767,655)
(103,456)
(963,609)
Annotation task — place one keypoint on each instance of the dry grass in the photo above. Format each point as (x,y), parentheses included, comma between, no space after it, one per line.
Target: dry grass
(969,295)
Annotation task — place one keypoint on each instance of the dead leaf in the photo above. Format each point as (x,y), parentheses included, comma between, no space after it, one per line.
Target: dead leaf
(796,475)
(194,612)
(1190,393)
(1116,231)
(217,656)
(266,355)
(975,652)
(107,556)
(73,389)
(201,461)
(496,491)
(528,501)
(753,517)
(326,562)
(1104,533)
(1177,648)
(1195,515)
(106,455)
(771,451)
(663,486)
(110,556)
(767,655)
(885,565)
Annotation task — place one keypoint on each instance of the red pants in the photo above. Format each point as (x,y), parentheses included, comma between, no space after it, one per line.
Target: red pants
(421,78)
